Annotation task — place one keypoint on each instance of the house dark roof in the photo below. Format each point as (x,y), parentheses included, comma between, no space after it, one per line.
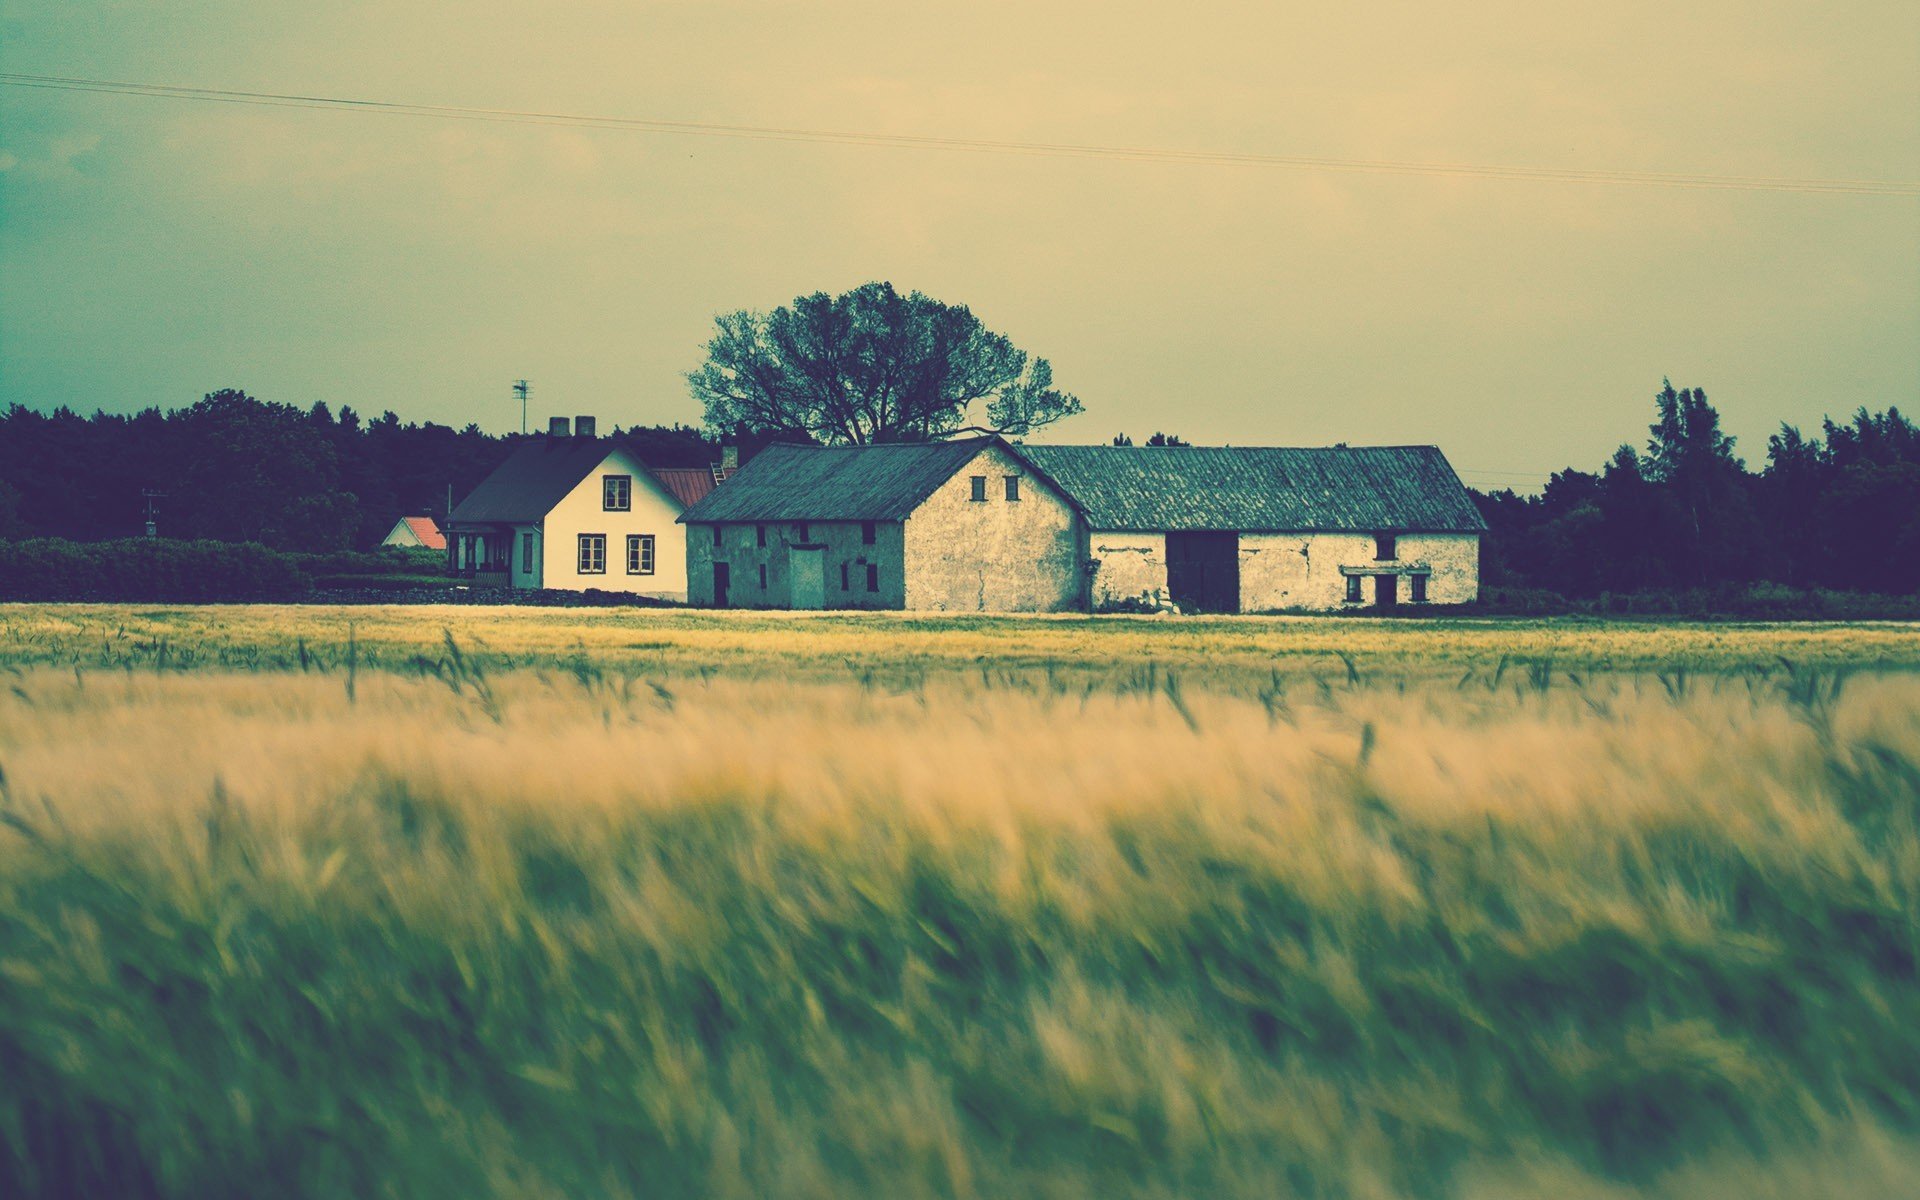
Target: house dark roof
(835,483)
(1321,489)
(543,469)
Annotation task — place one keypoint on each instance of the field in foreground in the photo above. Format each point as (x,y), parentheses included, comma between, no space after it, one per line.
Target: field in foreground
(1352,929)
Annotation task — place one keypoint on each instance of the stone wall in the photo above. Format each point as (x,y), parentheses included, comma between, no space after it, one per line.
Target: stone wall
(1130,566)
(994,555)
(846,556)
(1309,570)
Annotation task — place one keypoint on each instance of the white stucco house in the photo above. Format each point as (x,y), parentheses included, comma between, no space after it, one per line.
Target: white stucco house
(984,525)
(570,510)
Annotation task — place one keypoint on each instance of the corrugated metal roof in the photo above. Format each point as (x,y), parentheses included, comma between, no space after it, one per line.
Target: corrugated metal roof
(688,485)
(835,483)
(1279,489)
(543,469)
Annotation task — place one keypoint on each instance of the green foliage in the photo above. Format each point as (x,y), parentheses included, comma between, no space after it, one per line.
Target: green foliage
(870,365)
(152,569)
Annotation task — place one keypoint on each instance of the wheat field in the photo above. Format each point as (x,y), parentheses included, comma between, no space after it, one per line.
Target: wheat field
(465,903)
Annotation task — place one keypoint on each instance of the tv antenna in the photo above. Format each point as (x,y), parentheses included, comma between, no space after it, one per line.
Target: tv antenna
(150,495)
(520,389)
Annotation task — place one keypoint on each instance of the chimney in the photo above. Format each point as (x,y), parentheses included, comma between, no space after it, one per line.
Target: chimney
(556,427)
(730,457)
(583,427)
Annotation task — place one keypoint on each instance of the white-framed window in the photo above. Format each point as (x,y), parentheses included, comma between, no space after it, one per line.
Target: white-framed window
(639,554)
(593,554)
(526,552)
(616,493)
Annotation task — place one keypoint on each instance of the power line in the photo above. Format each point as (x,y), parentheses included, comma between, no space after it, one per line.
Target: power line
(1859,187)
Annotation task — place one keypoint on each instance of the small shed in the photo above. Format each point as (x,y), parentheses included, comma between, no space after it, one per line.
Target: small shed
(418,532)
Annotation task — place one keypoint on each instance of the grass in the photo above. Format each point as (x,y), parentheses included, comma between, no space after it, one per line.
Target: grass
(1236,917)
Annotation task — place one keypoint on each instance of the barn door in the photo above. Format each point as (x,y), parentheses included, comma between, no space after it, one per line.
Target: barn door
(1386,590)
(807,573)
(1203,571)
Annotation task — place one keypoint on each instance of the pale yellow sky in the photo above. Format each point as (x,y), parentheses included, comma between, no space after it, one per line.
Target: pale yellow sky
(154,250)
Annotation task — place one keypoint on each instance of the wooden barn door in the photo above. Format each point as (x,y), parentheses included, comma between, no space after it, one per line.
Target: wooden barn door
(807,577)
(1203,571)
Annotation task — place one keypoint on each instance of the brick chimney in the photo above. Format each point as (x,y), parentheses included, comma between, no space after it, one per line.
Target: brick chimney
(583,427)
(556,427)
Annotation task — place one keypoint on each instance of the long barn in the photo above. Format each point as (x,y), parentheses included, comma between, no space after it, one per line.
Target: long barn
(985,525)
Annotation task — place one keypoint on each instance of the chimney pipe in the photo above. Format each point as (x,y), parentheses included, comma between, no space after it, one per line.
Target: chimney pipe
(583,427)
(556,427)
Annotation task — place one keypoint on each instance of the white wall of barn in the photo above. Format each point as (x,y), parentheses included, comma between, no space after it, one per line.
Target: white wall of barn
(582,511)
(996,554)
(1295,570)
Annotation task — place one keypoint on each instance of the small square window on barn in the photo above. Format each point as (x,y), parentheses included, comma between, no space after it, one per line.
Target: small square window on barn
(593,554)
(867,533)
(846,577)
(873,577)
(802,527)
(763,574)
(1416,588)
(1384,548)
(979,488)
(1013,487)
(1353,589)
(759,535)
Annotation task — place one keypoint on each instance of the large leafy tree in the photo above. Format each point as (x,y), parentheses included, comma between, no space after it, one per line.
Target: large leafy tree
(871,365)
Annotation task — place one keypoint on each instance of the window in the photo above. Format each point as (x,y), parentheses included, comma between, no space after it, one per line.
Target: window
(867,533)
(802,528)
(1013,487)
(1416,588)
(616,493)
(979,487)
(716,535)
(639,554)
(526,553)
(846,582)
(873,577)
(593,554)
(759,535)
(763,575)
(1353,589)
(1383,547)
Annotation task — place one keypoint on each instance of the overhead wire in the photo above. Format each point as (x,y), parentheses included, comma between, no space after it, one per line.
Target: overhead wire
(1858,187)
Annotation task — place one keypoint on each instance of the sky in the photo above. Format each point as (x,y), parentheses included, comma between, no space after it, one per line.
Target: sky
(153,250)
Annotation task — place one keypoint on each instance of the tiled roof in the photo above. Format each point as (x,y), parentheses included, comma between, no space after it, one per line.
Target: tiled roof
(543,469)
(427,531)
(1318,489)
(835,483)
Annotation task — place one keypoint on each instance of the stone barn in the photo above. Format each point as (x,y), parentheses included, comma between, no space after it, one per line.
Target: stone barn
(962,525)
(1231,529)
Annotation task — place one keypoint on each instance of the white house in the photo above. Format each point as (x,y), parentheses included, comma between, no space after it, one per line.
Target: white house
(577,511)
(416,533)
(984,525)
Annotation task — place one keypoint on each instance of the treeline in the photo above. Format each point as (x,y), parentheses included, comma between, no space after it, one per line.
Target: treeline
(235,469)
(1839,511)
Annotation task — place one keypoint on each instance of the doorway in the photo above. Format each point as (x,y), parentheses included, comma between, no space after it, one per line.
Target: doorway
(1386,590)
(807,577)
(1203,571)
(721,579)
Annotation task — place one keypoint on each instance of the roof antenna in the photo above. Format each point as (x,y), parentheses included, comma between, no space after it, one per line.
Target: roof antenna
(520,389)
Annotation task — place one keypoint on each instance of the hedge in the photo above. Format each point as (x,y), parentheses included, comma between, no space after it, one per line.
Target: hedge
(147,569)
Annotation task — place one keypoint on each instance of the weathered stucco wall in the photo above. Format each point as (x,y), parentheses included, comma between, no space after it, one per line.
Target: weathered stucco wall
(846,558)
(1305,570)
(581,512)
(1131,565)
(994,555)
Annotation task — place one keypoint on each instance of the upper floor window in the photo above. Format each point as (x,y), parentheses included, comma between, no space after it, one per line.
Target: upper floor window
(867,533)
(759,535)
(1013,487)
(1384,547)
(979,487)
(802,527)
(593,554)
(639,554)
(616,493)
(716,535)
